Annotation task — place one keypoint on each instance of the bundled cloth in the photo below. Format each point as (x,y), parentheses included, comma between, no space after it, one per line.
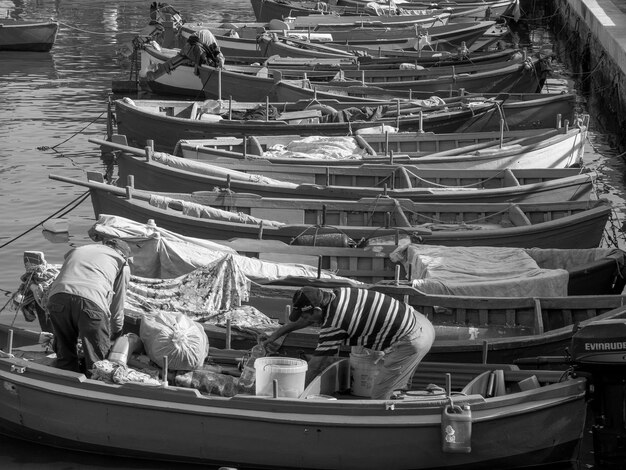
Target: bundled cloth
(318,147)
(117,373)
(208,381)
(175,337)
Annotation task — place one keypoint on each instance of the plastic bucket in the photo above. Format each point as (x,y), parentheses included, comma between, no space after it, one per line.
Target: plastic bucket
(363,371)
(289,373)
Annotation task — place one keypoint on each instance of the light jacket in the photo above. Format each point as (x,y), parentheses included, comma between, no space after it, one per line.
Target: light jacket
(98,273)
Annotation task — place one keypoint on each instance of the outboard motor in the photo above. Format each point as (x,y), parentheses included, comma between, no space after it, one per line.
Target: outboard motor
(599,349)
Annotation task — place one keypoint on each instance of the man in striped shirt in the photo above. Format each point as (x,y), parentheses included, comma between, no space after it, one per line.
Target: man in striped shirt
(360,317)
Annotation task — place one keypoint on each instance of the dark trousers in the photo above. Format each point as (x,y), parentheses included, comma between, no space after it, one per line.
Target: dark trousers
(74,317)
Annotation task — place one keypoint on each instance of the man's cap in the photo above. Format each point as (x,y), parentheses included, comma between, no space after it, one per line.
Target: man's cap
(119,245)
(305,300)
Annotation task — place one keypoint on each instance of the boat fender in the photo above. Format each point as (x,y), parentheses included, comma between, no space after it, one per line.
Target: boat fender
(456,429)
(325,239)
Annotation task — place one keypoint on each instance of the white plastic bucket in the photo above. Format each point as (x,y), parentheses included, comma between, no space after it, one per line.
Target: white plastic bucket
(363,371)
(288,372)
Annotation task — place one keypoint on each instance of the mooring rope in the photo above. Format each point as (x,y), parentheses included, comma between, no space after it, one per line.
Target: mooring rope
(76,202)
(104,33)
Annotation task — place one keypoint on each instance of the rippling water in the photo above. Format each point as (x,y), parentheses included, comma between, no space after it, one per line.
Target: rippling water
(51,103)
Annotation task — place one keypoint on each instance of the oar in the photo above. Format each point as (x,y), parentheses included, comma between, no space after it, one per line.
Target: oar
(216,170)
(125,148)
(494,143)
(136,193)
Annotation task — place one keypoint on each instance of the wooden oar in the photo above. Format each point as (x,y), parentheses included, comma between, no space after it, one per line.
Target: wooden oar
(493,144)
(136,193)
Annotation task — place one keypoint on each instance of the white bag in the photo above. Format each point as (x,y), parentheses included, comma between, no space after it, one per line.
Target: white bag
(176,336)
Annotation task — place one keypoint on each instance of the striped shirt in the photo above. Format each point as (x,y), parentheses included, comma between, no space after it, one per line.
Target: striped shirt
(359,317)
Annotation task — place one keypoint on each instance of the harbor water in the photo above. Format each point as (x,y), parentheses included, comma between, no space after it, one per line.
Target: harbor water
(52,103)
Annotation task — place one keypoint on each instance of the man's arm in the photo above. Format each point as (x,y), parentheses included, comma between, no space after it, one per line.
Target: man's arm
(287,328)
(119,299)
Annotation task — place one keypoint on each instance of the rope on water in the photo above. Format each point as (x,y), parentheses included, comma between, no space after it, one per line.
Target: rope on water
(75,203)
(42,148)
(104,33)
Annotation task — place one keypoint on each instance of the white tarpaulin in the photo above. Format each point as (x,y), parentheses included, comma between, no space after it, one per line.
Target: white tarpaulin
(479,271)
(160,253)
(204,168)
(318,147)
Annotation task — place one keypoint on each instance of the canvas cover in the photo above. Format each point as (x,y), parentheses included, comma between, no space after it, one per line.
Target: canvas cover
(318,147)
(193,209)
(479,271)
(204,168)
(160,253)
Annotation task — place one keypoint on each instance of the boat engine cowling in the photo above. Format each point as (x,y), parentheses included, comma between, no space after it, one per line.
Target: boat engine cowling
(599,345)
(599,350)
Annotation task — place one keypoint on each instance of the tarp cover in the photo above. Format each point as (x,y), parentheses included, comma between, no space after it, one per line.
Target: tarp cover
(193,209)
(318,147)
(479,271)
(160,253)
(203,168)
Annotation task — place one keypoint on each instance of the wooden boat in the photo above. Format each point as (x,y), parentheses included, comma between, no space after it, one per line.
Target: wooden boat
(578,272)
(316,23)
(514,75)
(572,224)
(493,8)
(518,110)
(447,37)
(267,10)
(289,46)
(559,148)
(467,327)
(271,45)
(18,35)
(169,121)
(174,174)
(133,419)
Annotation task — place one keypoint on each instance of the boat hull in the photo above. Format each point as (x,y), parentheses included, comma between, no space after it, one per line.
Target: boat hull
(27,36)
(140,126)
(180,425)
(583,229)
(155,175)
(557,152)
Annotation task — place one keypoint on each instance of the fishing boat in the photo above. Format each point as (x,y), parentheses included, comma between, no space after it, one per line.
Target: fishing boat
(164,71)
(168,121)
(493,8)
(217,215)
(267,10)
(174,174)
(445,37)
(23,35)
(537,322)
(136,419)
(555,148)
(326,28)
(514,110)
(249,83)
